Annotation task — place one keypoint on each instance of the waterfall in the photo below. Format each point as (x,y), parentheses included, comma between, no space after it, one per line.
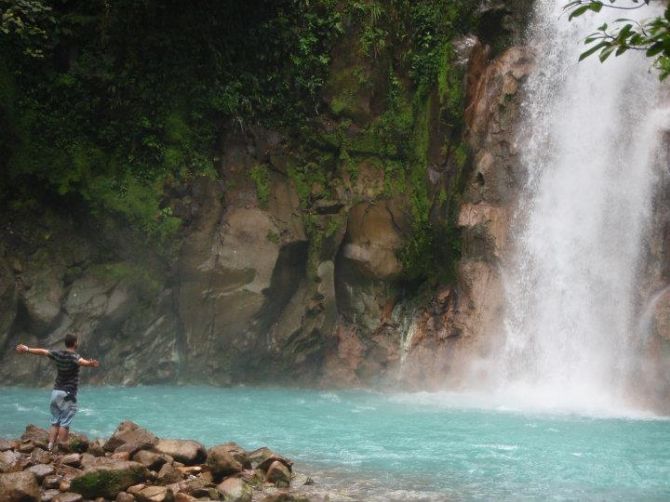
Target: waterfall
(589,144)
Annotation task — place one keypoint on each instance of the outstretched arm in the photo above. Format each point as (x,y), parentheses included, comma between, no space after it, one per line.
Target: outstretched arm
(24,349)
(91,363)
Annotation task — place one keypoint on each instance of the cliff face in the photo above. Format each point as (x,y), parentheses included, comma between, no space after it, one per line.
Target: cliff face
(296,257)
(293,264)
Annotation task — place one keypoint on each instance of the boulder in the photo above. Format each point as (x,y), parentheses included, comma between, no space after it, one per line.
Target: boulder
(151,460)
(71,459)
(125,497)
(68,497)
(40,456)
(5,444)
(26,447)
(37,436)
(19,487)
(41,471)
(9,460)
(227,459)
(88,460)
(168,474)
(96,448)
(67,472)
(259,455)
(268,461)
(179,497)
(155,494)
(52,482)
(77,443)
(108,480)
(185,451)
(198,487)
(48,495)
(278,474)
(135,489)
(131,437)
(235,490)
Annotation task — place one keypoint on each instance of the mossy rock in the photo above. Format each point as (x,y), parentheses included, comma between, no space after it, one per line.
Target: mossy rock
(108,480)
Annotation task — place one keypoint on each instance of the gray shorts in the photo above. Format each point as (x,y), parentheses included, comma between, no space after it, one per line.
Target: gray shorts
(62,410)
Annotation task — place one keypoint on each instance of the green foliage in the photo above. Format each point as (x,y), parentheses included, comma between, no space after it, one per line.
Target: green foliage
(422,28)
(261,177)
(652,36)
(109,101)
(27,23)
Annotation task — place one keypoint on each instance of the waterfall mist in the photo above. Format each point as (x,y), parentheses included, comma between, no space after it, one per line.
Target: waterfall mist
(588,141)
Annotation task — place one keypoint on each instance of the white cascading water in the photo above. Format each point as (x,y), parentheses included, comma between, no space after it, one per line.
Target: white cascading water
(588,144)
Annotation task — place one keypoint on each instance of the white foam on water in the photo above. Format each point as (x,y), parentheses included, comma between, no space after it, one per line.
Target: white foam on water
(516,399)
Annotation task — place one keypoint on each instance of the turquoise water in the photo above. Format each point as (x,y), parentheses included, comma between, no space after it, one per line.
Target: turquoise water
(374,446)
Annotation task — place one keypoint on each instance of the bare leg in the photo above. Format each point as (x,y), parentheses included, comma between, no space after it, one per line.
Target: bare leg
(53,434)
(63,435)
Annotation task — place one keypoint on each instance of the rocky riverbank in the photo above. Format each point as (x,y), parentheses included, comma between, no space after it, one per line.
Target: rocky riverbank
(136,465)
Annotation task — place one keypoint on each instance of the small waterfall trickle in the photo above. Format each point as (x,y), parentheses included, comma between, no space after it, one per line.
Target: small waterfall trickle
(589,144)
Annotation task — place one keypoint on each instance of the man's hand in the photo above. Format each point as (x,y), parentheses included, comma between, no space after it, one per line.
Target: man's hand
(21,349)
(91,363)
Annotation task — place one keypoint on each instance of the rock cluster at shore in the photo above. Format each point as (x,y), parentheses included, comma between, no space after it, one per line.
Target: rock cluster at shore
(135,465)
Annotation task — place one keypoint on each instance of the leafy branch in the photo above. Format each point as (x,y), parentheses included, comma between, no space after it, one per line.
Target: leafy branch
(652,36)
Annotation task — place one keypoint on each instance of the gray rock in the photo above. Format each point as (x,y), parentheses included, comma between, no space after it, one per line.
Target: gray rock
(155,494)
(52,481)
(68,497)
(19,487)
(41,471)
(96,448)
(87,460)
(227,459)
(9,460)
(132,436)
(278,474)
(72,459)
(257,456)
(235,490)
(40,456)
(168,474)
(38,436)
(182,497)
(151,460)
(268,461)
(186,451)
(125,497)
(26,447)
(48,495)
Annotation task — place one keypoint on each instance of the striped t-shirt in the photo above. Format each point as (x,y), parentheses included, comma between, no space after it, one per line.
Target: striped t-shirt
(67,364)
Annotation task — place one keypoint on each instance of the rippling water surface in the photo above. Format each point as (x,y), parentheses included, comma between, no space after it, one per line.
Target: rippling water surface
(373,446)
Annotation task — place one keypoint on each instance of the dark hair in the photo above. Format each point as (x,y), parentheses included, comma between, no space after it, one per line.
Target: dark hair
(70,340)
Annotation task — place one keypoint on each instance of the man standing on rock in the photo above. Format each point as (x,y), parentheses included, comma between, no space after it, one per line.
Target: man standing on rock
(64,395)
